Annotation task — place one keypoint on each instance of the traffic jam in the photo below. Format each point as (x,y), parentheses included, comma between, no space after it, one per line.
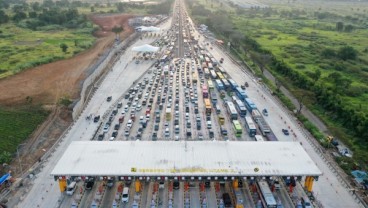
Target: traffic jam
(186,99)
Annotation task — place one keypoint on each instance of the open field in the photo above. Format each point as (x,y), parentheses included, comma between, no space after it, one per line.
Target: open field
(17,124)
(307,42)
(23,48)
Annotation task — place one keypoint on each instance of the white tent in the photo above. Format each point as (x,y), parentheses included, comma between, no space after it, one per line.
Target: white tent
(145,48)
(148,29)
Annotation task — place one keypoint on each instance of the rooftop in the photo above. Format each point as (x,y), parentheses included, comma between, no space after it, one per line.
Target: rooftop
(191,158)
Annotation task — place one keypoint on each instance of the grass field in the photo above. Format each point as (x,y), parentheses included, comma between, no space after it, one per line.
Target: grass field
(17,124)
(299,34)
(22,48)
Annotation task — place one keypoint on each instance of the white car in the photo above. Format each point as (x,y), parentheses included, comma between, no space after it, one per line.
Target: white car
(106,128)
(112,138)
(130,123)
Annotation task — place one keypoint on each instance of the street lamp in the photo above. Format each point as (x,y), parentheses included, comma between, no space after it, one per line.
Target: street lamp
(20,163)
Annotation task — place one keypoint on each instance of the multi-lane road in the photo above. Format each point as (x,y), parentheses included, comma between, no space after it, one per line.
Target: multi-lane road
(176,85)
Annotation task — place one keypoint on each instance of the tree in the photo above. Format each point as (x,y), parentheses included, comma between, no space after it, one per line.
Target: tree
(120,7)
(328,53)
(4,18)
(339,26)
(20,15)
(316,75)
(117,30)
(347,52)
(341,83)
(92,9)
(64,47)
(349,28)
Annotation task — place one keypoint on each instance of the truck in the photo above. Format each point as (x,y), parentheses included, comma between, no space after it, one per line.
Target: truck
(168,114)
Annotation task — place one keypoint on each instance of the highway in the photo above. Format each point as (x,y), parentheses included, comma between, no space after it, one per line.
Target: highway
(177,85)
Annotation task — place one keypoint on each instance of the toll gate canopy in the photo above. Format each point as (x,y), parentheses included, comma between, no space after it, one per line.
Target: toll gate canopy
(185,158)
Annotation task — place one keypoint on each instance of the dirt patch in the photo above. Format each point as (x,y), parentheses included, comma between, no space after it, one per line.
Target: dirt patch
(47,83)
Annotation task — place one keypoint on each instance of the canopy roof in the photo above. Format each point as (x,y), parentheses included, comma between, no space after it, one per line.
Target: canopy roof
(148,29)
(179,158)
(145,48)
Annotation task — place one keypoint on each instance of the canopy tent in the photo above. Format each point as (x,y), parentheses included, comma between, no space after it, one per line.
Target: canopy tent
(145,48)
(148,29)
(4,178)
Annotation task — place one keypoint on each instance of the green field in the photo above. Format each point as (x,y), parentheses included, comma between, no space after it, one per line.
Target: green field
(317,49)
(16,125)
(22,48)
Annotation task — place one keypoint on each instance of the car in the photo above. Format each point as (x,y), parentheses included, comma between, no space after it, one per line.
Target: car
(114,133)
(106,128)
(161,185)
(176,185)
(108,99)
(117,126)
(110,182)
(100,137)
(112,138)
(265,112)
(89,183)
(130,123)
(200,136)
(285,131)
(154,136)
(96,119)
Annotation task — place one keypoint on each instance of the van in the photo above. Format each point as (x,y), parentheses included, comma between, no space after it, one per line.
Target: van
(71,188)
(125,196)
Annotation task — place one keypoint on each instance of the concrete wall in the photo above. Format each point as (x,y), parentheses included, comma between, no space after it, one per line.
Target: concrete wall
(97,70)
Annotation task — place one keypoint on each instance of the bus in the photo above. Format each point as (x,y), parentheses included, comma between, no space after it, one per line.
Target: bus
(210,84)
(207,104)
(213,74)
(259,138)
(220,76)
(226,84)
(233,84)
(231,110)
(206,73)
(267,198)
(213,97)
(250,126)
(240,93)
(210,66)
(204,91)
(239,105)
(219,84)
(237,128)
(249,104)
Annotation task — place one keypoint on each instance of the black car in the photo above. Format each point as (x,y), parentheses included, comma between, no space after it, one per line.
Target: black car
(108,99)
(114,133)
(176,185)
(89,183)
(240,184)
(227,200)
(207,184)
(100,137)
(96,119)
(285,131)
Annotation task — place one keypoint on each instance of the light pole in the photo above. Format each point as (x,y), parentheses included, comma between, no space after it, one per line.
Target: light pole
(20,163)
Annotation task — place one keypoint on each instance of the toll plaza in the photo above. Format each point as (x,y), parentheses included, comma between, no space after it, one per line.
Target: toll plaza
(185,160)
